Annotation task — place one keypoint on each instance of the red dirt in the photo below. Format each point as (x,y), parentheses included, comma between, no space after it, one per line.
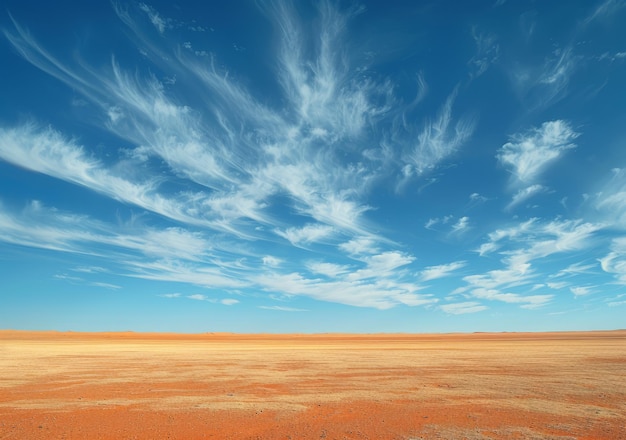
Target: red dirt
(225,386)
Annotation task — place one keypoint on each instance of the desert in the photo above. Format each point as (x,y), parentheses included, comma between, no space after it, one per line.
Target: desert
(66,385)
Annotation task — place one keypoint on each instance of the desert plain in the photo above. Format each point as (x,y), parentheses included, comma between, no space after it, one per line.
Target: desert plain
(65,385)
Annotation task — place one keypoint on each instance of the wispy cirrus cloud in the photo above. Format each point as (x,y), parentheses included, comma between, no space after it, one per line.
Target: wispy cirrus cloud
(576,269)
(283,308)
(380,281)
(526,193)
(332,104)
(79,280)
(582,290)
(519,247)
(45,150)
(310,233)
(439,139)
(441,271)
(170,295)
(542,84)
(159,23)
(606,8)
(610,201)
(525,301)
(462,225)
(171,254)
(376,293)
(330,270)
(463,308)
(541,239)
(529,154)
(487,52)
(360,245)
(48,228)
(615,261)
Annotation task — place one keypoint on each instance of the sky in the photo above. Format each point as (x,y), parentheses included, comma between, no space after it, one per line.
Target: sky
(276,166)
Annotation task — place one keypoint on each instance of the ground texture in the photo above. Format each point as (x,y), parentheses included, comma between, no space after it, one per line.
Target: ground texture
(222,386)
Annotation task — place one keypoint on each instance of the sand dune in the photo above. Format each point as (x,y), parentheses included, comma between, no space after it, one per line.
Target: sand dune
(388,386)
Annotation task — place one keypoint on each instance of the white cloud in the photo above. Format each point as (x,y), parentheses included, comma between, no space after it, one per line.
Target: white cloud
(320,87)
(607,8)
(526,193)
(463,308)
(209,275)
(379,283)
(439,138)
(528,241)
(46,151)
(543,239)
(379,294)
(544,84)
(198,297)
(229,301)
(160,23)
(81,281)
(431,222)
(90,269)
(283,309)
(556,73)
(526,301)
(511,276)
(496,237)
(611,200)
(359,246)
(48,228)
(170,243)
(330,270)
(270,261)
(529,154)
(115,114)
(441,271)
(576,269)
(487,52)
(388,261)
(615,261)
(311,233)
(461,225)
(581,290)
(558,285)
(170,295)
(477,198)
(105,285)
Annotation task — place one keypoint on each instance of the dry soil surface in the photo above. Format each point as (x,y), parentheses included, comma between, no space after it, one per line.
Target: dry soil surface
(225,386)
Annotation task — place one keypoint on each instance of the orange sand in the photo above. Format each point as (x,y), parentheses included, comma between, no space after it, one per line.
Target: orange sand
(225,386)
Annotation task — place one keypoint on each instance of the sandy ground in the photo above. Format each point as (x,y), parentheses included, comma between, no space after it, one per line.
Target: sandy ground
(223,386)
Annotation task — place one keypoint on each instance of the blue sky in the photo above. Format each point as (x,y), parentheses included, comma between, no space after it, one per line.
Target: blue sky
(313,167)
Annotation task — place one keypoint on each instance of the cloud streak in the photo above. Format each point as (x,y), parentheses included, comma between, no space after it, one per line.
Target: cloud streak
(439,138)
(528,154)
(520,246)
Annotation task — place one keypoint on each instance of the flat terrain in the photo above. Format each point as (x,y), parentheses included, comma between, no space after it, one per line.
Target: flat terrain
(224,386)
